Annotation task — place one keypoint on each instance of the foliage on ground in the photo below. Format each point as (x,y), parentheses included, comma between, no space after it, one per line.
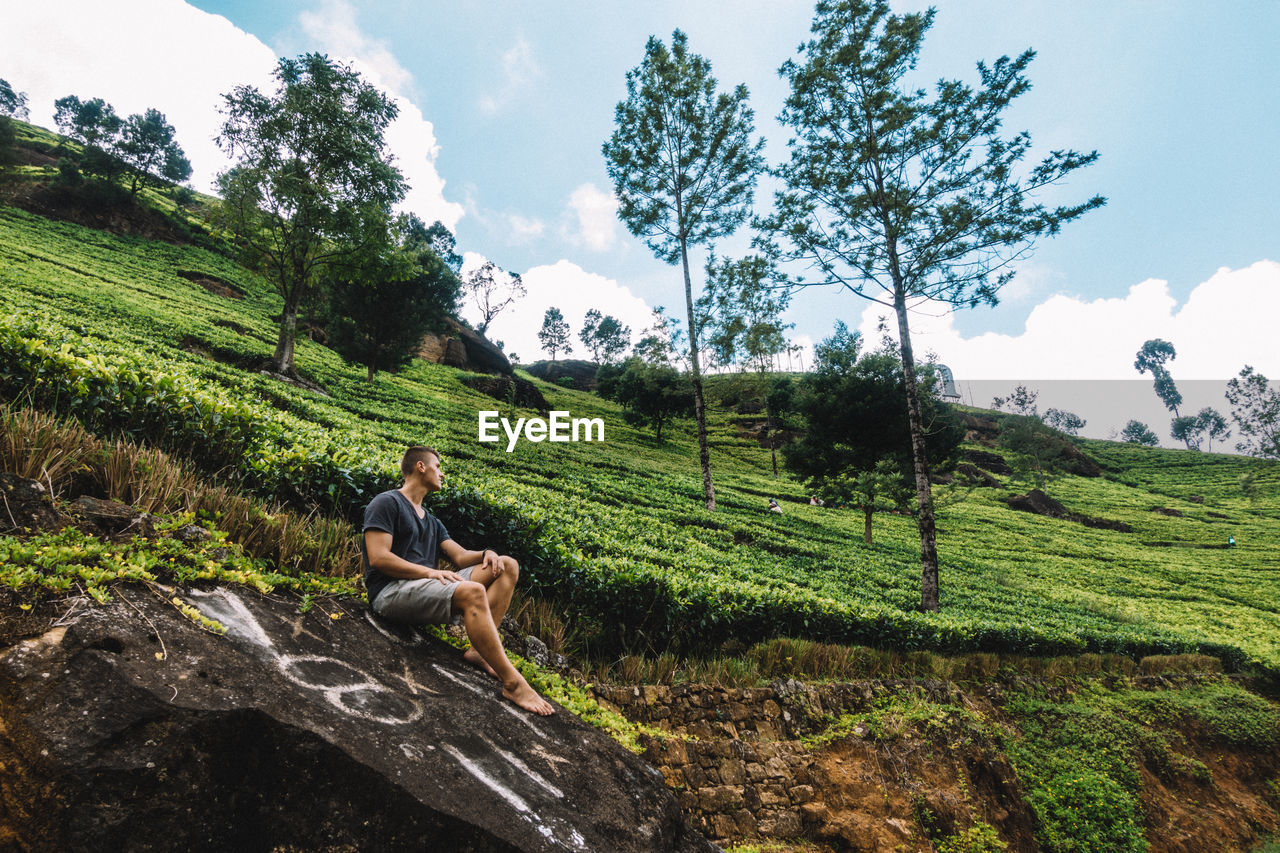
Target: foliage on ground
(106,330)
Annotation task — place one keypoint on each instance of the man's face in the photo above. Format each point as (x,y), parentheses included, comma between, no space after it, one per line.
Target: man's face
(430,470)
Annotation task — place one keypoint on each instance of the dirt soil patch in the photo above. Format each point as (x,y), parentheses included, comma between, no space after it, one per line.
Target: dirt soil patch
(212,283)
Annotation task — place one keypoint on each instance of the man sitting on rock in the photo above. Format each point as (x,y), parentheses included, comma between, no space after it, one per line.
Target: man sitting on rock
(402,544)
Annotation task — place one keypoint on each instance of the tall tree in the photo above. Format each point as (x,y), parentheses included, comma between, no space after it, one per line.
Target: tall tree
(1021,402)
(662,342)
(95,125)
(684,168)
(605,336)
(1255,407)
(312,184)
(1152,358)
(492,291)
(554,333)
(1213,426)
(380,309)
(150,151)
(900,196)
(741,309)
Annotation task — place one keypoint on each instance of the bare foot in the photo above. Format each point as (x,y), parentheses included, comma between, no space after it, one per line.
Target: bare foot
(526,697)
(472,657)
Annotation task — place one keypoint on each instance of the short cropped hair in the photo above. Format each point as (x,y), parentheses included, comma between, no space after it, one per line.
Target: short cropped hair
(414,455)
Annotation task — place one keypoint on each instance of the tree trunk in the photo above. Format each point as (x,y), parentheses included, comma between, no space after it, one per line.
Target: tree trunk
(770,433)
(372,371)
(699,408)
(282,360)
(866,523)
(919,453)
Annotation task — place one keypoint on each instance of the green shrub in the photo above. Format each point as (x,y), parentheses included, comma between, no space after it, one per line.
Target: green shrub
(979,838)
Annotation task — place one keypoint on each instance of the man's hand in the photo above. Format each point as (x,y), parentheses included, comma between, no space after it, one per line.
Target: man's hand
(491,560)
(443,576)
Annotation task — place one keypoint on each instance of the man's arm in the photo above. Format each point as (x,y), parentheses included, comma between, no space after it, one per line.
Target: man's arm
(462,558)
(377,544)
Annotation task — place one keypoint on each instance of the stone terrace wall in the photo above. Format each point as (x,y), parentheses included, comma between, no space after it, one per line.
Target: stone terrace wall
(746,774)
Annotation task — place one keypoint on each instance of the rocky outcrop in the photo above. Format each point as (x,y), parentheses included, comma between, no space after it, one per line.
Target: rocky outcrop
(462,347)
(987,461)
(27,506)
(1038,502)
(129,726)
(512,390)
(581,374)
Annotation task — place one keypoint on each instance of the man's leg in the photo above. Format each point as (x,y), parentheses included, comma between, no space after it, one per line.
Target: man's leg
(471,600)
(499,586)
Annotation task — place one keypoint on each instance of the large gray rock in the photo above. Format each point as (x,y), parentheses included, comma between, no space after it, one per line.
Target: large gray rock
(462,347)
(131,728)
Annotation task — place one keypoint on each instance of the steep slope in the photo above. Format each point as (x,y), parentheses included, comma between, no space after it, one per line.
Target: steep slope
(613,529)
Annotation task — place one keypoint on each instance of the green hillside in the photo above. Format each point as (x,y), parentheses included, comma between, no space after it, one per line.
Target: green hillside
(615,532)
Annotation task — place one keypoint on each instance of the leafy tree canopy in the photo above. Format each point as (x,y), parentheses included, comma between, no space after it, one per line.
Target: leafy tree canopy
(445,245)
(604,336)
(1068,422)
(1255,407)
(1136,432)
(12,103)
(662,342)
(682,158)
(92,123)
(380,309)
(1152,358)
(651,395)
(150,152)
(741,310)
(554,334)
(854,416)
(492,290)
(312,184)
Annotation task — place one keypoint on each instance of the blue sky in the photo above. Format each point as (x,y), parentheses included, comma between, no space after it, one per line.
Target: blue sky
(507,105)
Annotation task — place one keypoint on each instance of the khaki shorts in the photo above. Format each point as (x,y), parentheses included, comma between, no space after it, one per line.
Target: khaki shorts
(418,601)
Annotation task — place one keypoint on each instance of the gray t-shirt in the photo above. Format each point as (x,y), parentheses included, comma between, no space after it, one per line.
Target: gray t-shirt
(414,539)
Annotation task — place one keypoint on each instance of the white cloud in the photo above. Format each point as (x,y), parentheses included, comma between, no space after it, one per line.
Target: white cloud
(1079,354)
(332,28)
(573,290)
(74,47)
(523,229)
(592,219)
(190,59)
(1226,322)
(519,70)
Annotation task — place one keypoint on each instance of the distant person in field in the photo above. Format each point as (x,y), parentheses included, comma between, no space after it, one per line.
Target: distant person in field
(773,506)
(402,544)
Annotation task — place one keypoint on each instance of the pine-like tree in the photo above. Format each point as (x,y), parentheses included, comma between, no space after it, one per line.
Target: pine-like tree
(684,167)
(901,196)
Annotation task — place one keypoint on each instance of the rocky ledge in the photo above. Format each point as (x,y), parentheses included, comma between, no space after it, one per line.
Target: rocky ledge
(133,726)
